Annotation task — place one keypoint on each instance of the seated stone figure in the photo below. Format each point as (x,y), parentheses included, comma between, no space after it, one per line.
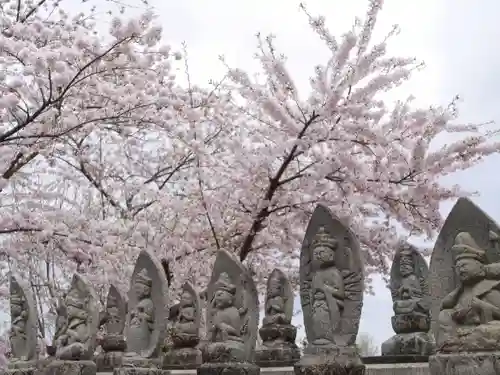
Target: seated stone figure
(72,341)
(186,329)
(469,319)
(225,334)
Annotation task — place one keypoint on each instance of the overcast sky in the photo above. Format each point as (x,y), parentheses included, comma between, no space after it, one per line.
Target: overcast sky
(457,39)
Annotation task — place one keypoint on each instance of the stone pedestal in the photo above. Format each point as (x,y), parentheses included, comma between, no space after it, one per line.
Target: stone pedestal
(409,323)
(107,361)
(21,368)
(58,367)
(398,369)
(182,359)
(464,363)
(278,348)
(228,368)
(319,360)
(416,343)
(139,366)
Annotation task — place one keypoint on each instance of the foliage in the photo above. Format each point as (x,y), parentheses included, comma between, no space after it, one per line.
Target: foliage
(104,153)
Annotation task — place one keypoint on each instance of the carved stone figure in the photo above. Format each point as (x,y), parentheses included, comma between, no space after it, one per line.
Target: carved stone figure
(23,331)
(464,280)
(147,312)
(76,340)
(232,317)
(277,333)
(186,332)
(410,296)
(113,342)
(331,291)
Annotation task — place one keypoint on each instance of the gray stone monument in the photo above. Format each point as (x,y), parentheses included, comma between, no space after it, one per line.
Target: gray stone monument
(331,292)
(113,343)
(232,319)
(277,332)
(77,331)
(185,332)
(467,319)
(410,295)
(145,328)
(23,331)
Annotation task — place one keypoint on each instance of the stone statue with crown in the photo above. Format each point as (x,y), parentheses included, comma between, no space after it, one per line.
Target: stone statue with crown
(410,294)
(76,340)
(145,327)
(469,317)
(331,293)
(232,319)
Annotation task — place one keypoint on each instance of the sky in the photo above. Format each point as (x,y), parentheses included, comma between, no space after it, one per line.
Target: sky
(455,38)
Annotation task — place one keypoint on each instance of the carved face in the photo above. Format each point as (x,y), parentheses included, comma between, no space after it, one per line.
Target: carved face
(142,290)
(186,299)
(223,299)
(274,287)
(406,269)
(469,270)
(324,254)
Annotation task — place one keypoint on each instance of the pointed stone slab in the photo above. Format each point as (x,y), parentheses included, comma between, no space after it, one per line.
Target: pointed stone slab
(287,290)
(465,216)
(118,299)
(246,296)
(349,262)
(159,296)
(189,287)
(421,272)
(25,349)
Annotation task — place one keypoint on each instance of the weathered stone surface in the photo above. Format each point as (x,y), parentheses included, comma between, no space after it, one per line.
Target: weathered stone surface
(147,309)
(485,363)
(331,293)
(116,311)
(139,371)
(277,333)
(330,361)
(79,319)
(469,316)
(107,361)
(398,369)
(113,343)
(24,320)
(331,281)
(21,368)
(230,368)
(408,323)
(464,217)
(233,312)
(182,358)
(58,367)
(417,343)
(394,359)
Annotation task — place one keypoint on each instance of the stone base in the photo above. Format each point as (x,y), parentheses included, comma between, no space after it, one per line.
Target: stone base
(21,368)
(395,359)
(113,343)
(107,361)
(58,367)
(480,363)
(277,357)
(139,371)
(398,369)
(330,360)
(182,359)
(417,343)
(229,368)
(140,362)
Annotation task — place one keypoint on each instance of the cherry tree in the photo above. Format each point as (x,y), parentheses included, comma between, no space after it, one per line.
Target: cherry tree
(105,153)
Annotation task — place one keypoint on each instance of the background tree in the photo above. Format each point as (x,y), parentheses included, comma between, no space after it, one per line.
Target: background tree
(366,345)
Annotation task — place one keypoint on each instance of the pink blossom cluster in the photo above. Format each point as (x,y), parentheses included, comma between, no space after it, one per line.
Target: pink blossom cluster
(104,153)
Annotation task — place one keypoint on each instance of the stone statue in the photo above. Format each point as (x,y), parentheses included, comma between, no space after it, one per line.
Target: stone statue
(147,312)
(23,331)
(185,332)
(77,329)
(277,332)
(113,342)
(411,320)
(463,279)
(232,318)
(331,291)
